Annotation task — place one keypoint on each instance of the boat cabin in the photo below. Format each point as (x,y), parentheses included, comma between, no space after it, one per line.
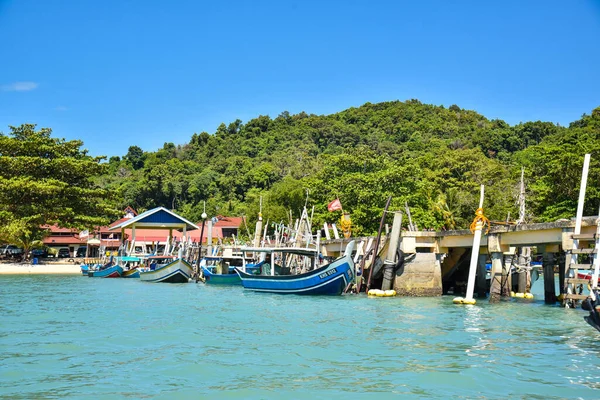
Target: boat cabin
(283,260)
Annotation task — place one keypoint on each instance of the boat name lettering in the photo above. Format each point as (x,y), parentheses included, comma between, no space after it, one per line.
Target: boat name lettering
(327,273)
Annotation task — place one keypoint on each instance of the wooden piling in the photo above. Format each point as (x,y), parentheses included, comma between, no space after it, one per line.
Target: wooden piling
(507,273)
(549,286)
(562,271)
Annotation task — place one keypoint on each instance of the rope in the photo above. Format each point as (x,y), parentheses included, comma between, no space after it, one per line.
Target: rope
(479,217)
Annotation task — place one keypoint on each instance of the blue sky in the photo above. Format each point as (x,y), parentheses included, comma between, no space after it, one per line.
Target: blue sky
(122,73)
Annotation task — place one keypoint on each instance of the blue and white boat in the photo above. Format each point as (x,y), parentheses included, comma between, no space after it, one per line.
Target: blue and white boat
(166,269)
(330,279)
(106,271)
(130,266)
(220,270)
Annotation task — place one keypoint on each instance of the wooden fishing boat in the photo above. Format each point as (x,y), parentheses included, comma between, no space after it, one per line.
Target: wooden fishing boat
(106,271)
(330,279)
(130,266)
(168,269)
(131,273)
(218,270)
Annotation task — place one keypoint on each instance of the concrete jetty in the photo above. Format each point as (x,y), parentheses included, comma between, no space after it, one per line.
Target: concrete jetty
(437,255)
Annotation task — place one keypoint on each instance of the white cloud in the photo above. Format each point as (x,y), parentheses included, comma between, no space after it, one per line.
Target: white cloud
(19,87)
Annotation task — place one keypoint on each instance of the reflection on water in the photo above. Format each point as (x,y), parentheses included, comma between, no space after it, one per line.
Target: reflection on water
(77,337)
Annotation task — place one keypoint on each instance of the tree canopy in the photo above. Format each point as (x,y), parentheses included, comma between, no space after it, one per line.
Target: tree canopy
(46,181)
(431,157)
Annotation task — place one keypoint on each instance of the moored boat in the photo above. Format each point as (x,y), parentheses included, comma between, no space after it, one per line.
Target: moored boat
(330,279)
(166,269)
(131,273)
(106,271)
(130,266)
(221,270)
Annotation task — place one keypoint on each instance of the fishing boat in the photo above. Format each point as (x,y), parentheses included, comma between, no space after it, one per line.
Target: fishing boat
(592,304)
(220,270)
(169,269)
(329,279)
(131,273)
(130,266)
(108,270)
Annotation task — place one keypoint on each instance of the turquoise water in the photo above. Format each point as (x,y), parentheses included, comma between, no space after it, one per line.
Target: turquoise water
(77,337)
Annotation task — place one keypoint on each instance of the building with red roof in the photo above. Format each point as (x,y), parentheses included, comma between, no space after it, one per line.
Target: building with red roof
(109,240)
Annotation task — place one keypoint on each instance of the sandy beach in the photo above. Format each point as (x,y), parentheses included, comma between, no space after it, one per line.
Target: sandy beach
(20,269)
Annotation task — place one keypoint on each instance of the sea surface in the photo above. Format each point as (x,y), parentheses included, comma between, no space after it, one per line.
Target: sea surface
(73,337)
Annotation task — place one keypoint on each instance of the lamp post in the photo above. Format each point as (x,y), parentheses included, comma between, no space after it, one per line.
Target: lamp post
(201,238)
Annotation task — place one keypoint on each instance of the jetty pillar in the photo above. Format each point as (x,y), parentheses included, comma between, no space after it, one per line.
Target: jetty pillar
(500,273)
(523,257)
(562,271)
(506,272)
(421,275)
(390,259)
(481,277)
(498,288)
(549,286)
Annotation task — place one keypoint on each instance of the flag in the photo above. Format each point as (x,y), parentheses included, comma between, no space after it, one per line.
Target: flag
(334,205)
(84,234)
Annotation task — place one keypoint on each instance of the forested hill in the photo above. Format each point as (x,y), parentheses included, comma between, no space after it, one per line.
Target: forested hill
(432,157)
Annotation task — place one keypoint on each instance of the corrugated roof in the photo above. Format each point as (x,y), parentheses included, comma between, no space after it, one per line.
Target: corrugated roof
(63,240)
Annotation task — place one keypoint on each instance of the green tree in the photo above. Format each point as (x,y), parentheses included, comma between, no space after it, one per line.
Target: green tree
(46,181)
(135,157)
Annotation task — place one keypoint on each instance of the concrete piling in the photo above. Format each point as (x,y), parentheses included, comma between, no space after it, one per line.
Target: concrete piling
(549,286)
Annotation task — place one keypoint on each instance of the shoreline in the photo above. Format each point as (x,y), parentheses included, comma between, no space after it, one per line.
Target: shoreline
(27,269)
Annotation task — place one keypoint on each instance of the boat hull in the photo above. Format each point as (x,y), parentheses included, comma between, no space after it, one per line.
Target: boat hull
(85,270)
(328,280)
(177,271)
(131,273)
(221,279)
(111,272)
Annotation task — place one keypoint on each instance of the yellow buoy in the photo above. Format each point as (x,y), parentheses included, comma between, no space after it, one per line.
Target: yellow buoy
(520,295)
(390,293)
(460,300)
(380,293)
(512,294)
(528,296)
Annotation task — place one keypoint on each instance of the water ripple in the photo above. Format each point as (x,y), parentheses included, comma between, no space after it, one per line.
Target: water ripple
(75,337)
